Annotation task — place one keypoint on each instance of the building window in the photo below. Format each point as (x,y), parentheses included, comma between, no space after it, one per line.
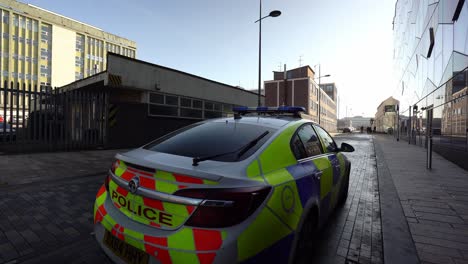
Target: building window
(6,19)
(44,71)
(78,76)
(45,55)
(212,110)
(185,107)
(6,35)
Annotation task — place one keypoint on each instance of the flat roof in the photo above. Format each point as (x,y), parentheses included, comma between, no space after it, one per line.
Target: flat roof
(48,11)
(305,66)
(178,71)
(35,12)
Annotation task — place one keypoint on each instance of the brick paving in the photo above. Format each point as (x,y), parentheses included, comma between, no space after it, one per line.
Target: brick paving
(28,168)
(434,202)
(49,222)
(354,232)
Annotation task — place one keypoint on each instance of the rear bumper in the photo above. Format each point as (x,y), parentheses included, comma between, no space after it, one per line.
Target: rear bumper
(156,242)
(99,234)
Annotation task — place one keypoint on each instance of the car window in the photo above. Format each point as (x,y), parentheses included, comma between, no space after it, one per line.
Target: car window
(212,138)
(328,141)
(298,148)
(310,143)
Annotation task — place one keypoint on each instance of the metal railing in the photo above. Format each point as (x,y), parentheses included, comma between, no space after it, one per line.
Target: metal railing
(40,118)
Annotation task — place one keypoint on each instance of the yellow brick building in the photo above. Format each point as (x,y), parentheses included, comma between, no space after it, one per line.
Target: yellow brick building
(39,47)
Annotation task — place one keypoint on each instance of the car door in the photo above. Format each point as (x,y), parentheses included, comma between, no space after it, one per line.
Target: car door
(336,162)
(316,167)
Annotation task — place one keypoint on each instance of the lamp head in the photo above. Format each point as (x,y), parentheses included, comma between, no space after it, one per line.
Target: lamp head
(275,13)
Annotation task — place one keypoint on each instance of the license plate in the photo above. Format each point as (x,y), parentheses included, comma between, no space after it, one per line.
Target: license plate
(128,253)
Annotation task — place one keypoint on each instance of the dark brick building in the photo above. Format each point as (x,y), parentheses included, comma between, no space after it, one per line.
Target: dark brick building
(298,87)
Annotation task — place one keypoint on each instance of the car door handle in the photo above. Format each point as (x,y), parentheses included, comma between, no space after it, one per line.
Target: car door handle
(318,174)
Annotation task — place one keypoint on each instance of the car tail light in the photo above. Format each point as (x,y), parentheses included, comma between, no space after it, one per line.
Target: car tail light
(224,207)
(115,165)
(106,182)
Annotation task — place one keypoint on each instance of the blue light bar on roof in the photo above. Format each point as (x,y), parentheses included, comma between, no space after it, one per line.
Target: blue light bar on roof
(264,109)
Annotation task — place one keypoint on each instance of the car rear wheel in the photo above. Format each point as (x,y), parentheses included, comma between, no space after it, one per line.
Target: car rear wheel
(345,187)
(307,239)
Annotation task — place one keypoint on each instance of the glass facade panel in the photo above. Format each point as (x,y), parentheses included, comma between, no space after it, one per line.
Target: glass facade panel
(438,81)
(460,32)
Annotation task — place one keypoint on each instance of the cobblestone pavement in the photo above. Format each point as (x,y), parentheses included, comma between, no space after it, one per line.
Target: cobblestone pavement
(49,222)
(435,202)
(353,234)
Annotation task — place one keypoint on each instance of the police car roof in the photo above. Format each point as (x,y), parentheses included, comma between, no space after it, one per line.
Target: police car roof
(275,122)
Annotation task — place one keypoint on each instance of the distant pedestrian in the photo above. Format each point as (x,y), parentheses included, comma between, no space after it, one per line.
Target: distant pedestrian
(375,129)
(362,129)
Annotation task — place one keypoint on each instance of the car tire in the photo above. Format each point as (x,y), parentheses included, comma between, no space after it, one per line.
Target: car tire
(307,239)
(345,187)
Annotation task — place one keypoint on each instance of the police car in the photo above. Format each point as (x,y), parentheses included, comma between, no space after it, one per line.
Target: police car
(252,188)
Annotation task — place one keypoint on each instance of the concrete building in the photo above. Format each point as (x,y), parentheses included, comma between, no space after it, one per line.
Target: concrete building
(151,100)
(385,119)
(39,47)
(431,62)
(297,87)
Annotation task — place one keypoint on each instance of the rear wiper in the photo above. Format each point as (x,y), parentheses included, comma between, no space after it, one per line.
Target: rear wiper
(241,151)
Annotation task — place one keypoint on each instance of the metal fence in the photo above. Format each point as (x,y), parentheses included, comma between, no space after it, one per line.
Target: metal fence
(40,118)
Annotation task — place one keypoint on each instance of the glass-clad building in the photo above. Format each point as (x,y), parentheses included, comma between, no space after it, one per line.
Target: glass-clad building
(431,60)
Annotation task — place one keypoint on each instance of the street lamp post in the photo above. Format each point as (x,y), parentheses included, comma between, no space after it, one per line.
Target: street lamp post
(274,13)
(320,95)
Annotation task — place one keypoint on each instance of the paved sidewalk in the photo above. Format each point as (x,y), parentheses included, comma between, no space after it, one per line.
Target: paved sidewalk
(354,233)
(434,202)
(28,168)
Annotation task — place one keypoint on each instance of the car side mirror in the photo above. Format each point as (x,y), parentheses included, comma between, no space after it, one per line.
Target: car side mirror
(345,147)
